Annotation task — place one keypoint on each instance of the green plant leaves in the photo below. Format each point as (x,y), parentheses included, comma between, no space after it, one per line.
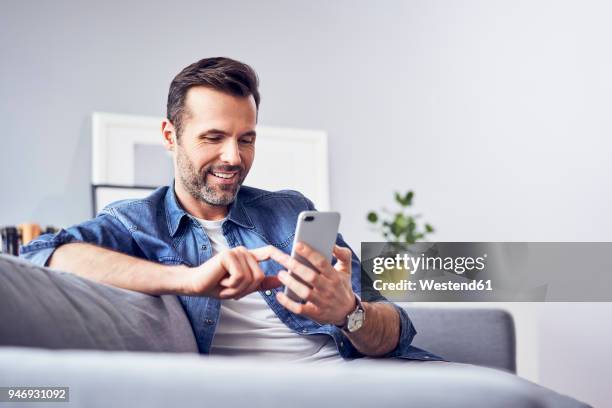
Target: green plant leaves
(406,200)
(373,217)
(400,226)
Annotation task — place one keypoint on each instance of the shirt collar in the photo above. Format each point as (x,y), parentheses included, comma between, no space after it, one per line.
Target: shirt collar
(175,212)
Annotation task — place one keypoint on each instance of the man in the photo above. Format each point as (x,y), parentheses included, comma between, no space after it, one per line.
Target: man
(223,247)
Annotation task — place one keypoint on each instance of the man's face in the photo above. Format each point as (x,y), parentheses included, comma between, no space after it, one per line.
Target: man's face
(216,147)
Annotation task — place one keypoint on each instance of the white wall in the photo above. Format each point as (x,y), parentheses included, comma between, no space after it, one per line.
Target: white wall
(497,113)
(574,350)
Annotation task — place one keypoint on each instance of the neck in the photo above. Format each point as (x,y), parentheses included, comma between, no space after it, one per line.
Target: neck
(198,208)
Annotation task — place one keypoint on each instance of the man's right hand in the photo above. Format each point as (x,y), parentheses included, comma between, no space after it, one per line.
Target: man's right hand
(232,274)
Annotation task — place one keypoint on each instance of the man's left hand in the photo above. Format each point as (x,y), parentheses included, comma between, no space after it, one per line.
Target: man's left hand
(328,293)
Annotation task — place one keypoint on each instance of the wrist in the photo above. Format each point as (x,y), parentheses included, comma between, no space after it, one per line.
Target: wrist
(179,280)
(343,319)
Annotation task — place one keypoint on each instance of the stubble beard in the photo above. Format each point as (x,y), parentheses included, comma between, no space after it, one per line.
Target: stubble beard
(195,182)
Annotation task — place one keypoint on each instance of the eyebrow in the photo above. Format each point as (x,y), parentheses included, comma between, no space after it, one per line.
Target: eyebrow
(222,132)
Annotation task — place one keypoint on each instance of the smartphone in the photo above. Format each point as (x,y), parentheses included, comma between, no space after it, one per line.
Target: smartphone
(317,229)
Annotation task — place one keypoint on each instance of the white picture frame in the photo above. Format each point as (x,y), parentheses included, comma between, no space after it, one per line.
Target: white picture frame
(114,138)
(285,158)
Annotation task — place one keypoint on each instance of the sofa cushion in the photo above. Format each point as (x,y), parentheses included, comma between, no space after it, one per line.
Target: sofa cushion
(151,380)
(41,307)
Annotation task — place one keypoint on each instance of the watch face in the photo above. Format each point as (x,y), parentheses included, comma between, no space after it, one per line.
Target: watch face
(355,321)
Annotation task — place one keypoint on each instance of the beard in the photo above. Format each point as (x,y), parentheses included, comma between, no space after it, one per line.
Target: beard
(199,188)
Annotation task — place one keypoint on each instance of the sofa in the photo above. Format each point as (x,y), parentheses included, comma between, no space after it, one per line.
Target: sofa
(118,348)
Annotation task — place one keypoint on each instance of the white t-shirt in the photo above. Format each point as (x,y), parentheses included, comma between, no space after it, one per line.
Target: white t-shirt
(248,327)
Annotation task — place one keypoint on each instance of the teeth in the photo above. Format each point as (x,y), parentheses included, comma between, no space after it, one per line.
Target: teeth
(225,175)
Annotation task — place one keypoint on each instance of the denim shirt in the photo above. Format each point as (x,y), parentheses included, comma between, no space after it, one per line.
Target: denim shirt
(157,228)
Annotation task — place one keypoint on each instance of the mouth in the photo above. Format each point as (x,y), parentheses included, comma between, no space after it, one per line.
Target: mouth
(223,177)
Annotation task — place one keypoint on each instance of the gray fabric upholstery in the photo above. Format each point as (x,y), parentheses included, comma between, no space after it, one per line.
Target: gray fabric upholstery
(476,336)
(122,380)
(40,307)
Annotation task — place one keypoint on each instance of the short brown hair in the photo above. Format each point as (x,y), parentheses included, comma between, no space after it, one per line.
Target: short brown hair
(219,73)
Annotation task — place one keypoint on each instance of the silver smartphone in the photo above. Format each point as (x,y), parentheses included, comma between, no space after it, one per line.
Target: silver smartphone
(317,229)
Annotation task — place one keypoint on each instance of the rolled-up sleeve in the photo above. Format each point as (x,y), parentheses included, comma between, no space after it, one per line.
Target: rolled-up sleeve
(105,230)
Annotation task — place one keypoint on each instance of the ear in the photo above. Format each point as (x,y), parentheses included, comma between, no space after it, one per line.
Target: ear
(169,135)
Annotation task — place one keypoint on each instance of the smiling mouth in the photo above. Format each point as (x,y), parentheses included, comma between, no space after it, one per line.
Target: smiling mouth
(226,176)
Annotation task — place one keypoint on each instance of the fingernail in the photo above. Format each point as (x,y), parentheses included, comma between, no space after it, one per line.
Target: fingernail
(299,246)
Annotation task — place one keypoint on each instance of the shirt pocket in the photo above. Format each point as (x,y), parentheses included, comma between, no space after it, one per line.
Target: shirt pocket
(282,243)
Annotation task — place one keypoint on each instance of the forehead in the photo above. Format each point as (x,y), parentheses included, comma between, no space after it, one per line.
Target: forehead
(208,108)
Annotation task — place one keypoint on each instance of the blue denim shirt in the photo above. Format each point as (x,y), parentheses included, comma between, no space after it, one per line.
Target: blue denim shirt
(158,229)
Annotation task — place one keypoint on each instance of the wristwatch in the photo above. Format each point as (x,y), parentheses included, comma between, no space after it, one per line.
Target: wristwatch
(356,319)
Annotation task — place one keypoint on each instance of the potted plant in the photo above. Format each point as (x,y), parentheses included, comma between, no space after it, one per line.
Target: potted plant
(400,226)
(401,230)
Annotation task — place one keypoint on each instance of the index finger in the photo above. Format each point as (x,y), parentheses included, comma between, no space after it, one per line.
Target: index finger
(318,261)
(270,252)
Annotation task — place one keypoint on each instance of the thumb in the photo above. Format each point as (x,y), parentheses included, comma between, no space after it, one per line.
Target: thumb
(343,255)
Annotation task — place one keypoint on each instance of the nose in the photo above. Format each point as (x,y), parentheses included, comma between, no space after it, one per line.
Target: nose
(230,153)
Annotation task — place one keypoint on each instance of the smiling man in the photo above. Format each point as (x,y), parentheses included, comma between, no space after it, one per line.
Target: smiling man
(223,247)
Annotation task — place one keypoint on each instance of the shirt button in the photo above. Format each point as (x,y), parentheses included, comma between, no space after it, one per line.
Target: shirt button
(209,321)
(204,247)
(268,292)
(341,344)
(304,330)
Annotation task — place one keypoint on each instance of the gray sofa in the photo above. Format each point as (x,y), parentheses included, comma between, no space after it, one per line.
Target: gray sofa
(120,348)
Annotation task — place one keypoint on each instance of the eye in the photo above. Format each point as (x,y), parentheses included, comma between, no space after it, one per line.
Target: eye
(247,140)
(212,138)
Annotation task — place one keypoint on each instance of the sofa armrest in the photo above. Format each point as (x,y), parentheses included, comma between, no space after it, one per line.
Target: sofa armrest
(59,310)
(466,335)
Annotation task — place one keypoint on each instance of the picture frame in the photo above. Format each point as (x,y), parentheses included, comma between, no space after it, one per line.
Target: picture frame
(128,157)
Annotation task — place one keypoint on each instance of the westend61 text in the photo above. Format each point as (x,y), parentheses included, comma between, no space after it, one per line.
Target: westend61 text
(430,284)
